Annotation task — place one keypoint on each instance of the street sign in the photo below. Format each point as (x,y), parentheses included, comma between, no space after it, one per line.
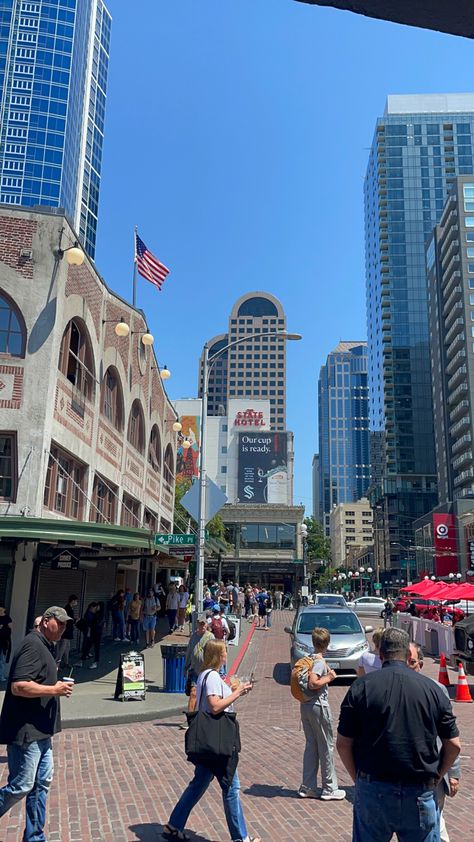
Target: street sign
(215,499)
(377,586)
(297,561)
(166,540)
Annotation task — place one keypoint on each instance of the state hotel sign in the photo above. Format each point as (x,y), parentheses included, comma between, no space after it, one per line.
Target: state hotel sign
(249,418)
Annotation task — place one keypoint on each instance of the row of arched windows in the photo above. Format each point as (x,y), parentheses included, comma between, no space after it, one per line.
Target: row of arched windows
(76,362)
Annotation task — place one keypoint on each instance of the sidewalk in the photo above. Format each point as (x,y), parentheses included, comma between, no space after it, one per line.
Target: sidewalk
(93,703)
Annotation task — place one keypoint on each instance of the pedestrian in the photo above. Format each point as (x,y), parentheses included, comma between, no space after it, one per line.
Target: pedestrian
(134,613)
(64,646)
(5,642)
(262,598)
(370,661)
(117,607)
(247,601)
(223,597)
(127,598)
(317,727)
(449,785)
(235,599)
(278,599)
(150,610)
(85,626)
(29,719)
(269,609)
(213,697)
(172,602)
(194,658)
(160,595)
(387,739)
(97,630)
(388,612)
(183,598)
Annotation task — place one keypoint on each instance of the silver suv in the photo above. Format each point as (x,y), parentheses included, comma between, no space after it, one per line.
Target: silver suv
(348,639)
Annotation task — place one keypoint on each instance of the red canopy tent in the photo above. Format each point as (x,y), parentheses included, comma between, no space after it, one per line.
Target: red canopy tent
(464,591)
(441,590)
(422,588)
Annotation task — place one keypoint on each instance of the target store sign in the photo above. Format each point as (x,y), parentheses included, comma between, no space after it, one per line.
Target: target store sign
(445,544)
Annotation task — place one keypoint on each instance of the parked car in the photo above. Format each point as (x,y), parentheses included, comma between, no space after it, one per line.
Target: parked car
(329,599)
(348,639)
(423,606)
(464,641)
(368,605)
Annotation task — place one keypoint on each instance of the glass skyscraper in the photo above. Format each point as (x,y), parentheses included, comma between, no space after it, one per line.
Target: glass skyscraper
(54,57)
(343,411)
(421,143)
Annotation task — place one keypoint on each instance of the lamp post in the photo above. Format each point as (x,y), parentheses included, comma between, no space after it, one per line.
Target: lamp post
(206,368)
(304,541)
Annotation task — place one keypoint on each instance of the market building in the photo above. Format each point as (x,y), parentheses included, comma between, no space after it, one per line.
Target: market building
(88,449)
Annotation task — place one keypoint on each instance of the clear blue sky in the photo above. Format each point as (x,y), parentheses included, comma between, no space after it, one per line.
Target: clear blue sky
(237,136)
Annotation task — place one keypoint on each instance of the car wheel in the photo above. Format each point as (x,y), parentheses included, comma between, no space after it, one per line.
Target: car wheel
(381,615)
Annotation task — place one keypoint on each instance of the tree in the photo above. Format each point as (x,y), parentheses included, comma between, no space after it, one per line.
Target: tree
(318,546)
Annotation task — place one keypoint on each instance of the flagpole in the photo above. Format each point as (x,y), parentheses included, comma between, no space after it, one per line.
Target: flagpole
(134,294)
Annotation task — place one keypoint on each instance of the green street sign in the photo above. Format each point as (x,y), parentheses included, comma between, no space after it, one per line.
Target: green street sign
(166,540)
(297,560)
(377,586)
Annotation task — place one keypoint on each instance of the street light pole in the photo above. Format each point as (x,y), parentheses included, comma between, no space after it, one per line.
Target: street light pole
(207,365)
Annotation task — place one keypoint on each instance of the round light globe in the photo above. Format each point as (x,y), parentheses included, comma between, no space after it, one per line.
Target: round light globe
(165,373)
(74,256)
(122,329)
(147,339)
(177,427)
(369,570)
(186,444)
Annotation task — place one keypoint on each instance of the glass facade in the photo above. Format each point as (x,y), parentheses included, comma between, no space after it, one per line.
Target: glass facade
(344,461)
(54,57)
(421,143)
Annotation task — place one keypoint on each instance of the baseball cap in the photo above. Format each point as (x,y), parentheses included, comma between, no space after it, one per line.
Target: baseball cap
(216,607)
(58,613)
(202,618)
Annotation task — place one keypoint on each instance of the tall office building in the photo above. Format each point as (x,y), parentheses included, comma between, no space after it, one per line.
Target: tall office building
(256,368)
(450,263)
(54,57)
(343,411)
(421,143)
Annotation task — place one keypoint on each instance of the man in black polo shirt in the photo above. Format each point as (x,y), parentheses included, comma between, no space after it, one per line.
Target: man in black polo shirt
(388,727)
(30,716)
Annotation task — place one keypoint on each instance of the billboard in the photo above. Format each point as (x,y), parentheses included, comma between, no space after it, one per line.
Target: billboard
(263,468)
(187,460)
(445,544)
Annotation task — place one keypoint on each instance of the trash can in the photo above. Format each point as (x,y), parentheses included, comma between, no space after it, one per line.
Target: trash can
(173,655)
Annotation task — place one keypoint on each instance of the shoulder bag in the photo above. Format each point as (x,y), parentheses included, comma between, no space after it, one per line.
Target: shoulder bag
(211,735)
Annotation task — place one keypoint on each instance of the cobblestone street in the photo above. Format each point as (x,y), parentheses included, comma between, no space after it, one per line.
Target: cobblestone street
(119,783)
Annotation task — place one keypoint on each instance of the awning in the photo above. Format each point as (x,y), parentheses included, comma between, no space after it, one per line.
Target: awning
(421,588)
(443,591)
(457,18)
(82,533)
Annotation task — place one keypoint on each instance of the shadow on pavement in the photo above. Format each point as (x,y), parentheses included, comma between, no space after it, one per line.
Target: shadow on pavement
(153,832)
(282,674)
(270,791)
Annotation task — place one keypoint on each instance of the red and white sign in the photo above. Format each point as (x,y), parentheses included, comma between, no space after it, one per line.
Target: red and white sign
(445,544)
(249,418)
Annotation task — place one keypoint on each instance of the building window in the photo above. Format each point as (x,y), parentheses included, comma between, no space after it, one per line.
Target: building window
(64,486)
(111,398)
(136,427)
(75,358)
(168,470)
(150,520)
(12,328)
(130,512)
(104,499)
(154,448)
(223,469)
(469,221)
(8,466)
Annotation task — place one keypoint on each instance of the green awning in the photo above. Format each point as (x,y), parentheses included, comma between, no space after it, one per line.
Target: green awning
(83,533)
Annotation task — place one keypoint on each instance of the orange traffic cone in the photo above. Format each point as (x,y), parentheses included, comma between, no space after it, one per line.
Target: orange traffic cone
(443,676)
(462,690)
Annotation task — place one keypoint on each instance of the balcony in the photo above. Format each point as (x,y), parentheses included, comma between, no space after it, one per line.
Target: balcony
(458,340)
(458,393)
(447,250)
(455,295)
(464,422)
(461,409)
(453,329)
(462,443)
(456,310)
(464,477)
(456,360)
(462,459)
(454,278)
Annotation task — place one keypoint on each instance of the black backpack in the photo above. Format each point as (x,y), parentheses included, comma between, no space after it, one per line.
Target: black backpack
(232,629)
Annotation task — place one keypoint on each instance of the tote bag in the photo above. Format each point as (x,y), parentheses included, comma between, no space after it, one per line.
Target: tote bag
(211,735)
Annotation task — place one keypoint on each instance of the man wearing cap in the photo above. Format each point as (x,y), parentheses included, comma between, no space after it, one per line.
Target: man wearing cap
(387,739)
(30,717)
(194,658)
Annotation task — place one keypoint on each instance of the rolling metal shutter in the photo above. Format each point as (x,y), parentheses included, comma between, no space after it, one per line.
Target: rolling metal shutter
(55,586)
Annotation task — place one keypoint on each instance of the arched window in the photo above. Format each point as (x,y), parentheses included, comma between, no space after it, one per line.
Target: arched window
(111,398)
(168,469)
(136,427)
(154,448)
(75,358)
(12,328)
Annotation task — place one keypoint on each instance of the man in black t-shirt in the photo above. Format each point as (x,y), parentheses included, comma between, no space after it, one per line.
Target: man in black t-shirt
(30,717)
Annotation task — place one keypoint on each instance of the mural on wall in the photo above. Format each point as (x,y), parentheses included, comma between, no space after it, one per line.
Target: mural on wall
(187,459)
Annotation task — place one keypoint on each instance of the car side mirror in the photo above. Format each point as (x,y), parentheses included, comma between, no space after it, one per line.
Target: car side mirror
(368,629)
(287,629)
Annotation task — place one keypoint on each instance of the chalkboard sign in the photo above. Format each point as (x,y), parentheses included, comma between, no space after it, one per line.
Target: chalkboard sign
(130,682)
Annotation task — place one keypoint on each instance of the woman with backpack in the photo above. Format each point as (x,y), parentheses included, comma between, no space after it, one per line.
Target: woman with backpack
(213,697)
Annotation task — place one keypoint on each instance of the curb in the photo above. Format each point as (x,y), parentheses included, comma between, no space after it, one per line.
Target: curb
(128,716)
(243,651)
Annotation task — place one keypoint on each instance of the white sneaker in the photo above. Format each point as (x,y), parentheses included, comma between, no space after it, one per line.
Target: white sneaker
(117,639)
(333,795)
(93,666)
(305,792)
(126,640)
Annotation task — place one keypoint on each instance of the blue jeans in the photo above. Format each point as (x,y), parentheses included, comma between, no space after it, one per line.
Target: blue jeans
(230,797)
(134,630)
(30,772)
(381,809)
(118,624)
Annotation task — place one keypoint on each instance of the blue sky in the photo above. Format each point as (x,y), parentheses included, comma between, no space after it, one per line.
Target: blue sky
(237,136)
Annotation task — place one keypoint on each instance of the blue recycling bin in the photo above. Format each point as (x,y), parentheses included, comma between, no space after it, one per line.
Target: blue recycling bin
(173,655)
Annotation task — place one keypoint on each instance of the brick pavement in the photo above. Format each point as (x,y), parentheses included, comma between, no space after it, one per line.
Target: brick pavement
(119,783)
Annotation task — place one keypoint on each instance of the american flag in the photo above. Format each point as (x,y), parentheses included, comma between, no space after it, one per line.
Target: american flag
(147,264)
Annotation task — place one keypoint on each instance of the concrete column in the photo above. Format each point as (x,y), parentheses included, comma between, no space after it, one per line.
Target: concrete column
(21,591)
